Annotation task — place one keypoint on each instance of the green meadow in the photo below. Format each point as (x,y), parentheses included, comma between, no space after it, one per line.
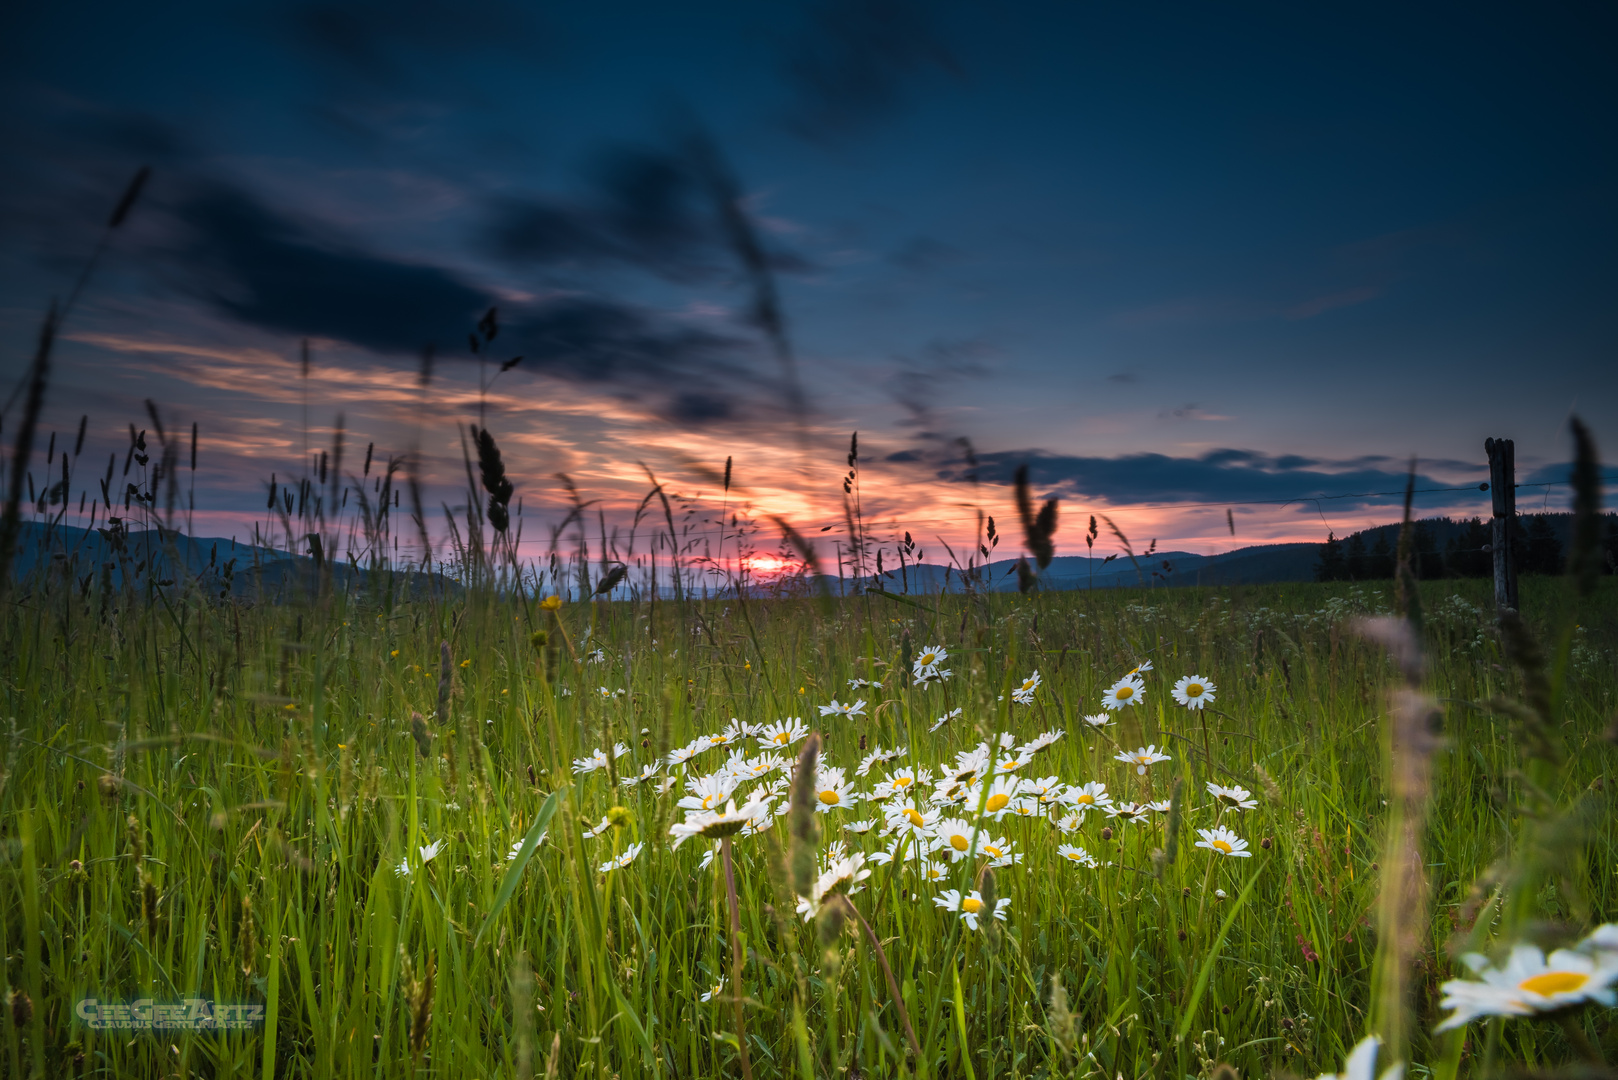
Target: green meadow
(360,811)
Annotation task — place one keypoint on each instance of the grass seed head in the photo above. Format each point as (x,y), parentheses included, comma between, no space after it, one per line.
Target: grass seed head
(805,830)
(423,737)
(22,1008)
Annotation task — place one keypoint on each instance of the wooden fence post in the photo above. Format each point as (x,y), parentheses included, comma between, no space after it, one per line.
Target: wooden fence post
(1503,486)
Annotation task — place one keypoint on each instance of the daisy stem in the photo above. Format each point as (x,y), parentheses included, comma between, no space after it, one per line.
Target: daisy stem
(893,984)
(736,958)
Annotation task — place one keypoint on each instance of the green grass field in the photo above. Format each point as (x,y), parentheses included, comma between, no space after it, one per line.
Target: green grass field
(205,798)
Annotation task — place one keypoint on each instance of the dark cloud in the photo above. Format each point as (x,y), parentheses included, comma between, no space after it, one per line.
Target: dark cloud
(524,231)
(1228,475)
(266,270)
(602,340)
(644,208)
(850,69)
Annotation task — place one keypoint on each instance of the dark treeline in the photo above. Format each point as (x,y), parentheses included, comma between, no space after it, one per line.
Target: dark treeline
(1446,547)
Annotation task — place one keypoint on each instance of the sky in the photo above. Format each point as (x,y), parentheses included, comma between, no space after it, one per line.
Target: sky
(1224,257)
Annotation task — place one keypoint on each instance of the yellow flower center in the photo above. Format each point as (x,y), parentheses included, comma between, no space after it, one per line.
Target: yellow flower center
(781,739)
(1193,690)
(829,797)
(1088,800)
(997,802)
(992,850)
(1554,982)
(1010,763)
(1223,845)
(958,842)
(707,801)
(902,781)
(915,818)
(1028,684)
(927,657)
(971,905)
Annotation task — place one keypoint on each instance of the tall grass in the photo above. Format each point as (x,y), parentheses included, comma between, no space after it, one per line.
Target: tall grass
(209,797)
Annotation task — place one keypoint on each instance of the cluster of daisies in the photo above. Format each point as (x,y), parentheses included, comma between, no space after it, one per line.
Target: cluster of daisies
(926,818)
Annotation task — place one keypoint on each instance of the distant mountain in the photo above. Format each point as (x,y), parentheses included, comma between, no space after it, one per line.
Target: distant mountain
(1244,566)
(160,556)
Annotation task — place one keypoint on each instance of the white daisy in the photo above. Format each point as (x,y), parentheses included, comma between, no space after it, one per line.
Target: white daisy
(833,792)
(953,714)
(1530,982)
(516,847)
(1001,793)
(900,782)
(717,826)
(1234,797)
(708,792)
(718,988)
(1070,822)
(1087,796)
(1193,691)
(1001,852)
(598,759)
(1039,742)
(1128,811)
(1224,841)
(842,876)
(953,837)
(879,756)
(630,854)
(1024,694)
(838,709)
(688,751)
(646,773)
(1126,691)
(970,906)
(970,764)
(1025,808)
(908,818)
(1146,755)
(782,733)
(1077,855)
(1098,720)
(1047,789)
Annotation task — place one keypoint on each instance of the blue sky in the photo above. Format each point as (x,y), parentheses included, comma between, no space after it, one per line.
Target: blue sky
(1326,238)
